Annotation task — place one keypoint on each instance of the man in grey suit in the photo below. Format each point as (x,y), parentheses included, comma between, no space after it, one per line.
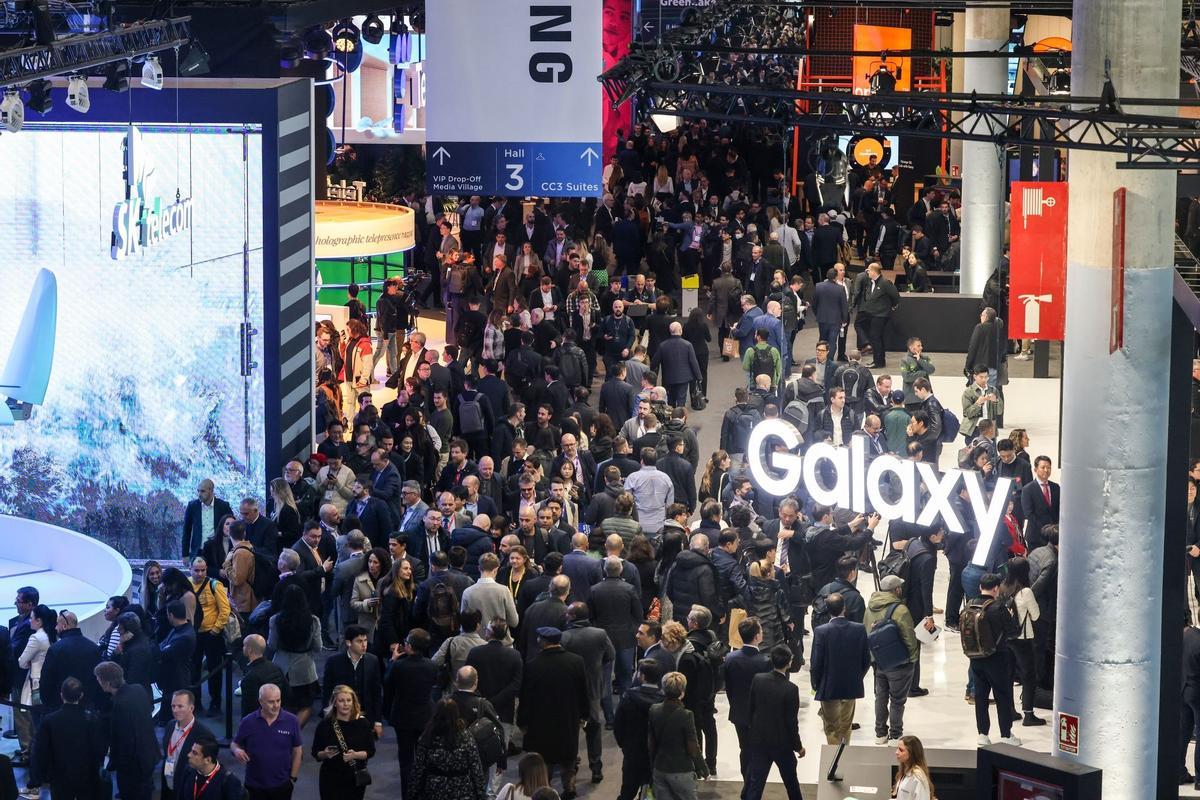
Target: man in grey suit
(344,573)
(412,510)
(489,598)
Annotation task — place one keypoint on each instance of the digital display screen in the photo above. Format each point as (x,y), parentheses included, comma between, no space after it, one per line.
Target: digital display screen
(158,270)
(1018,787)
(860,148)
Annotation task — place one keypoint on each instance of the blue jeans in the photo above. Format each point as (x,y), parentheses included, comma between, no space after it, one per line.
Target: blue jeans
(622,667)
(829,333)
(970,582)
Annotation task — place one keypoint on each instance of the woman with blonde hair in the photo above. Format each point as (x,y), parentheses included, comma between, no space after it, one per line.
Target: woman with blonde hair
(284,511)
(912,779)
(343,742)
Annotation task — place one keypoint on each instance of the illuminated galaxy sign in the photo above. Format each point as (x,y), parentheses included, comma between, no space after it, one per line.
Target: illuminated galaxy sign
(857,484)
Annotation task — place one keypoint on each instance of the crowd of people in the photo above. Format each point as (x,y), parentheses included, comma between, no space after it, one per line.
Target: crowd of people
(526,540)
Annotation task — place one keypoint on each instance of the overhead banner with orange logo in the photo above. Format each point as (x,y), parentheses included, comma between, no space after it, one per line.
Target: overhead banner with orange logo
(880,40)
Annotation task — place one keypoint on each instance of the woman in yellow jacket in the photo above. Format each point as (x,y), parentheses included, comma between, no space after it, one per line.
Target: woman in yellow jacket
(212,614)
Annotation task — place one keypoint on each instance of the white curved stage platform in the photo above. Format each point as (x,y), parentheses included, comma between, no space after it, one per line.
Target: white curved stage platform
(70,570)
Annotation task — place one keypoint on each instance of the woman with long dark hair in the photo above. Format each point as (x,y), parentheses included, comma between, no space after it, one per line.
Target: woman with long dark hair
(447,764)
(294,633)
(1016,588)
(343,742)
(396,595)
(44,622)
(364,595)
(768,601)
(175,586)
(532,775)
(715,472)
(152,574)
(218,546)
(601,437)
(641,555)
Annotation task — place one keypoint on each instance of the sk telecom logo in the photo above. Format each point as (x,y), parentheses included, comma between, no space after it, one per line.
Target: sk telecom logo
(141,221)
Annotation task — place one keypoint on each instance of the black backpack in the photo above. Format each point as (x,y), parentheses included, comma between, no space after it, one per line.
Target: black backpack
(896,563)
(744,424)
(470,415)
(443,609)
(266,575)
(761,363)
(489,739)
(852,383)
(574,369)
(886,642)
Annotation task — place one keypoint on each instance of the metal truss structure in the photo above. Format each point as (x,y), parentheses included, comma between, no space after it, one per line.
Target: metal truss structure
(85,52)
(1089,123)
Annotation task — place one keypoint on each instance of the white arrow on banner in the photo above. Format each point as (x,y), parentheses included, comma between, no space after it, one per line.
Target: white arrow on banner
(441,155)
(589,154)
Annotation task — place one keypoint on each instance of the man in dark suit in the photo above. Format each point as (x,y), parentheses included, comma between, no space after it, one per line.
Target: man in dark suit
(69,748)
(616,608)
(825,242)
(475,502)
(740,668)
(203,778)
(941,226)
(550,612)
(407,696)
(175,654)
(499,667)
(374,515)
(830,307)
(876,303)
(631,728)
(72,656)
(839,660)
(1039,502)
(775,726)
(386,482)
(617,396)
(133,745)
(358,669)
(317,558)
(581,568)
(555,393)
(201,517)
(260,530)
(430,539)
(887,238)
(177,741)
(259,672)
(552,729)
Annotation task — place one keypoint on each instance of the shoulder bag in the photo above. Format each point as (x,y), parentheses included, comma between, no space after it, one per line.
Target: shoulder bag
(361,776)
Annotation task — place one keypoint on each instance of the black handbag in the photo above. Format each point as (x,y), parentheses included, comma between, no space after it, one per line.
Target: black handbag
(362,777)
(698,401)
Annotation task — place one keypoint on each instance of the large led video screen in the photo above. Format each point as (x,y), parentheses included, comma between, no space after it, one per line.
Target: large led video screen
(154,238)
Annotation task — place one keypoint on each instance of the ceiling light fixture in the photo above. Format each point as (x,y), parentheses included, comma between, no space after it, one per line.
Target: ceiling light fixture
(152,73)
(373,29)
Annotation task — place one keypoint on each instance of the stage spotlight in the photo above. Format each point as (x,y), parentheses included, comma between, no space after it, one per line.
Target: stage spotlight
(372,29)
(40,101)
(12,111)
(346,37)
(152,73)
(666,123)
(883,80)
(194,60)
(77,94)
(1058,81)
(318,44)
(117,77)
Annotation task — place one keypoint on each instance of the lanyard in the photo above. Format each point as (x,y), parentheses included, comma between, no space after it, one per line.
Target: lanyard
(177,739)
(199,788)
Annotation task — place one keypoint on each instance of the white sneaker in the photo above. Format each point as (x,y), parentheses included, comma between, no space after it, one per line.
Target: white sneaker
(983,740)
(881,740)
(1014,741)
(893,742)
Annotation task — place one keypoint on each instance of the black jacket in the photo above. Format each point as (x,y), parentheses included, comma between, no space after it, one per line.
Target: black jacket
(133,744)
(740,668)
(69,749)
(774,713)
(408,692)
(72,656)
(193,533)
(683,478)
(181,754)
(259,673)
(856,607)
(826,546)
(548,613)
(840,659)
(768,601)
(499,667)
(175,659)
(616,607)
(631,726)
(692,579)
(922,562)
(366,680)
(1037,514)
(552,729)
(987,346)
(139,658)
(616,400)
(223,786)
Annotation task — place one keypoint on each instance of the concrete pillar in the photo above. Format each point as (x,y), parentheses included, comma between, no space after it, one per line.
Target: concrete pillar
(982,162)
(1114,427)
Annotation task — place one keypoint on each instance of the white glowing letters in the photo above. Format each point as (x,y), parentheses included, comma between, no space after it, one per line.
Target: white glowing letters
(857,486)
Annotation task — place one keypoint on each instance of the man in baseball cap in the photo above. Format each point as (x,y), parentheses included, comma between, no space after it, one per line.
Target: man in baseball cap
(894,649)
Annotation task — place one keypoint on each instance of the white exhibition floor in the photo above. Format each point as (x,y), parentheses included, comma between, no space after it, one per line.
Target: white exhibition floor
(59,591)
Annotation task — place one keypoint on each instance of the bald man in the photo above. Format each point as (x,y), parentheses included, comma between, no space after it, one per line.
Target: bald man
(72,656)
(676,365)
(583,570)
(201,517)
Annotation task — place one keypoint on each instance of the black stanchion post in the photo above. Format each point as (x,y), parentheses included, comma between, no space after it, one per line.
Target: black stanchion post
(228,697)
